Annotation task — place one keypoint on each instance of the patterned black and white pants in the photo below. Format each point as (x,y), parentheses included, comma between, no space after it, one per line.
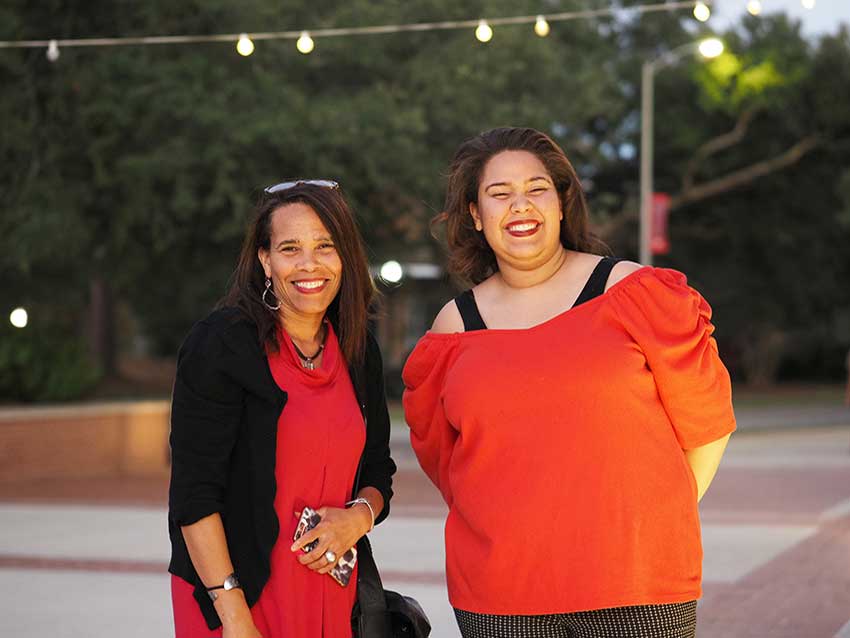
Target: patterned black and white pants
(677,620)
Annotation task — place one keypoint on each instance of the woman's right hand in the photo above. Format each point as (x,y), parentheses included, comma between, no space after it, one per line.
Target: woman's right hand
(236,619)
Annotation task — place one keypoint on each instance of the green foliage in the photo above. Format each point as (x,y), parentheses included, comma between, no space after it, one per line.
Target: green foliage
(728,84)
(138,165)
(762,64)
(43,362)
(843,192)
(771,255)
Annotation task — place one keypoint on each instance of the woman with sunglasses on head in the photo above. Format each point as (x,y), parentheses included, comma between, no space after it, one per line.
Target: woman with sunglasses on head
(270,398)
(571,408)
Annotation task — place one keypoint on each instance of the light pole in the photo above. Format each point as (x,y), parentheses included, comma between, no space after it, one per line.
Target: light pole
(709,48)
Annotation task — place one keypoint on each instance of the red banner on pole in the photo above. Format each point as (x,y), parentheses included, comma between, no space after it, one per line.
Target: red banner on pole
(659,242)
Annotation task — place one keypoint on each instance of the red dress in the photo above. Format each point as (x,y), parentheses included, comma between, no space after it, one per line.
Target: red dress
(320,438)
(558,449)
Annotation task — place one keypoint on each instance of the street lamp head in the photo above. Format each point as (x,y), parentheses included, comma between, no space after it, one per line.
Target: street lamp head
(711,47)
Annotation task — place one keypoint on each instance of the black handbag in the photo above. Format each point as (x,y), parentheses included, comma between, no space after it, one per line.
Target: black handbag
(378,612)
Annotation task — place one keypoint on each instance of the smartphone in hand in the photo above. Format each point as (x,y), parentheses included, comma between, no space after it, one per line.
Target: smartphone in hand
(344,567)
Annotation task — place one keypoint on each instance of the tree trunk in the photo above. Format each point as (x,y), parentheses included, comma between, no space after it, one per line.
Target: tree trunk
(762,355)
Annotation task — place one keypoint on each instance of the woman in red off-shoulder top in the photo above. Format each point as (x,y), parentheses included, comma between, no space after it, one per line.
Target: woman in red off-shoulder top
(572,410)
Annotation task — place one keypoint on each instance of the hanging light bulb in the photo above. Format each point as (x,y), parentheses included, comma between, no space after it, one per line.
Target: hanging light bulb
(245,47)
(541,27)
(53,51)
(305,43)
(702,12)
(808,4)
(484,33)
(754,7)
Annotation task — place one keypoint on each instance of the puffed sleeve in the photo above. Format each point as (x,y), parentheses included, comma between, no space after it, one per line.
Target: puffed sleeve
(671,323)
(206,412)
(431,435)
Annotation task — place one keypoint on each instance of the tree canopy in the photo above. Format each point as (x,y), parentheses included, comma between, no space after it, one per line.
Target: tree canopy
(134,168)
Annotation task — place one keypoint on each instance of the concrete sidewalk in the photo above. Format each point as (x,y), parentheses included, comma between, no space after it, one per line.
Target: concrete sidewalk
(84,562)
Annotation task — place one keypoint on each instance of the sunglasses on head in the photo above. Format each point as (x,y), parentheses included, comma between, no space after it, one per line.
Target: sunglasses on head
(322,183)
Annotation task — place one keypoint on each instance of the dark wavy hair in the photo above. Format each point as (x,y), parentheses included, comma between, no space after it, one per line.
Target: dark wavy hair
(470,257)
(349,311)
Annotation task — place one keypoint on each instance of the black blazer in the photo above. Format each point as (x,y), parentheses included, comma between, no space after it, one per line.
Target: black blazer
(224,416)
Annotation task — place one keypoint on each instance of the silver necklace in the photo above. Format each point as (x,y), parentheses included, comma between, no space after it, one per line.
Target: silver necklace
(310,362)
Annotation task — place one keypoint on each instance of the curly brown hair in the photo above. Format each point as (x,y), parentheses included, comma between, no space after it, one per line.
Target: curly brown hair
(470,257)
(349,311)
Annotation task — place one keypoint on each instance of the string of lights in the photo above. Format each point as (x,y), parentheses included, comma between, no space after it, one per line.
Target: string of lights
(305,42)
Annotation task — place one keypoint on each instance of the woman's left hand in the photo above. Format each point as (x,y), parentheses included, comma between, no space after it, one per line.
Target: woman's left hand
(338,531)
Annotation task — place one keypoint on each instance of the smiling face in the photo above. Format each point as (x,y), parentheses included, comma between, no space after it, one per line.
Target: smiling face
(519,210)
(301,261)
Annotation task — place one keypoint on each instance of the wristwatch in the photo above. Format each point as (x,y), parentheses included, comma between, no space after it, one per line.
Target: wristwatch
(230,582)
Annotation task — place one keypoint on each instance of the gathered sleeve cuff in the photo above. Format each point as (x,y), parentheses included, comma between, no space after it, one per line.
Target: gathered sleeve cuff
(206,412)
(431,435)
(671,323)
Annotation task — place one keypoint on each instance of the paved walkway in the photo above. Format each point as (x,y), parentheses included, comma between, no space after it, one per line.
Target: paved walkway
(788,416)
(87,559)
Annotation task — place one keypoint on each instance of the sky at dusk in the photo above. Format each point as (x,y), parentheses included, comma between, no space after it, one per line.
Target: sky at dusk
(822,19)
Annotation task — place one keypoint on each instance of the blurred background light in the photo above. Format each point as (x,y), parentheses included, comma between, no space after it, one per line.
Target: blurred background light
(484,33)
(245,46)
(392,272)
(711,47)
(702,12)
(19,318)
(305,43)
(541,27)
(53,51)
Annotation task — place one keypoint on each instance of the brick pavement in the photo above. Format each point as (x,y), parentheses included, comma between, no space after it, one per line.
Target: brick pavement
(799,478)
(776,534)
(803,593)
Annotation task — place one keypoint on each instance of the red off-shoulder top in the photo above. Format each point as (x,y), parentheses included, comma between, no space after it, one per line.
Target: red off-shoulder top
(559,449)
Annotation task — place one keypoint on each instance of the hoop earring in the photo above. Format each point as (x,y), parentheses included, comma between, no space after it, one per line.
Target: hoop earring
(265,292)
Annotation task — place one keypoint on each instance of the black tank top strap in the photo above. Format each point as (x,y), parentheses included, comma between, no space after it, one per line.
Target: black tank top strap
(468,309)
(595,285)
